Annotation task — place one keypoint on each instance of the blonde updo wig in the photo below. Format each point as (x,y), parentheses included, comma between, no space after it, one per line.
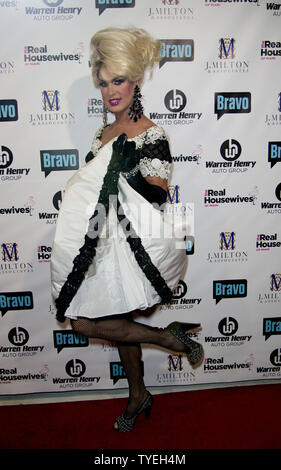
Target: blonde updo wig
(124,52)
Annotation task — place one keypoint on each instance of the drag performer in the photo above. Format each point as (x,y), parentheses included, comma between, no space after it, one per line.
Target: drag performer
(113,252)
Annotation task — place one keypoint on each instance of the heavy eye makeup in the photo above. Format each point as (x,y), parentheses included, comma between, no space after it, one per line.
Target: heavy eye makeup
(116,81)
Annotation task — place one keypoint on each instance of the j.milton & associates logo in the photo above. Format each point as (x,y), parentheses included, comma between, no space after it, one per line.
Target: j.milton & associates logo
(176,50)
(13,262)
(53,113)
(175,102)
(271,294)
(274,118)
(7,67)
(226,60)
(171,10)
(227,251)
(175,373)
(102,5)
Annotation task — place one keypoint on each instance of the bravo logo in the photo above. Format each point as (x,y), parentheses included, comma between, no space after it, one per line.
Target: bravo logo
(102,5)
(8,110)
(227,289)
(274,153)
(118,372)
(15,301)
(230,103)
(176,50)
(58,160)
(69,339)
(271,326)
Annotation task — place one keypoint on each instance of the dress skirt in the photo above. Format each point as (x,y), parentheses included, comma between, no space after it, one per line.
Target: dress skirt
(114,283)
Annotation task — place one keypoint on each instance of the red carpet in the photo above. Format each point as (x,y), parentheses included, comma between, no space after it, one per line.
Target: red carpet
(227,418)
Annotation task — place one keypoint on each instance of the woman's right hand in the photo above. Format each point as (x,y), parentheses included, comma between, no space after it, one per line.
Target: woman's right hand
(130,159)
(118,145)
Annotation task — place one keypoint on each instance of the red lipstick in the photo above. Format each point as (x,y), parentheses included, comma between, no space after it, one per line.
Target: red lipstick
(114,101)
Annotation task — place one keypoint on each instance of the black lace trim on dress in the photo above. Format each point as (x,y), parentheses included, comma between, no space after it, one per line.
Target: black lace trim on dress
(159,149)
(142,257)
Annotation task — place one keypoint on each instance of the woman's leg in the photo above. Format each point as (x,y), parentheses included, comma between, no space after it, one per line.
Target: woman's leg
(121,329)
(128,335)
(130,355)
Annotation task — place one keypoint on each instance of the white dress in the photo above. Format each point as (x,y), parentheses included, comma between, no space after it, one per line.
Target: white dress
(115,283)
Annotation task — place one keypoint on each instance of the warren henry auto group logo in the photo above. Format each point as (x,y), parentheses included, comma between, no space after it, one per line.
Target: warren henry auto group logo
(52,10)
(7,171)
(228,328)
(175,101)
(230,151)
(19,338)
(51,217)
(76,371)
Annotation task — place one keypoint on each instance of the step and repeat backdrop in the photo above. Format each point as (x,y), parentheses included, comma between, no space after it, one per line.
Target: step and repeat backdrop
(217,93)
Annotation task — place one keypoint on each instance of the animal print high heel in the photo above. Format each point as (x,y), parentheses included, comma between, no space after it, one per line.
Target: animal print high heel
(193,350)
(126,424)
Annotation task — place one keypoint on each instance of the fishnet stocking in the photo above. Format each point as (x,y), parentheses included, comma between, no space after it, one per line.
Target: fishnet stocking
(128,335)
(123,329)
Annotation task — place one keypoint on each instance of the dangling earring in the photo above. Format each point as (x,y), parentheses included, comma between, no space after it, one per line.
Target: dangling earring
(136,109)
(104,115)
